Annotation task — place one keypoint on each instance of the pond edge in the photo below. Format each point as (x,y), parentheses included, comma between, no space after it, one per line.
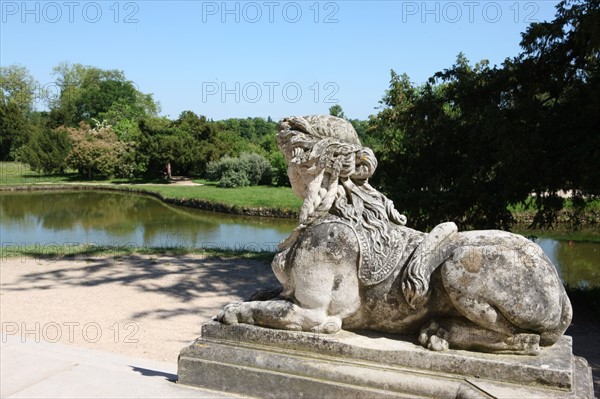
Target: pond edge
(187,202)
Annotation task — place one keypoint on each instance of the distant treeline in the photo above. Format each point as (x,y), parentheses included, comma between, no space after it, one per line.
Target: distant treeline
(467,145)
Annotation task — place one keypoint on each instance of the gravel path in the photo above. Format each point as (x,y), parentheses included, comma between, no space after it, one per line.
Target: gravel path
(144,306)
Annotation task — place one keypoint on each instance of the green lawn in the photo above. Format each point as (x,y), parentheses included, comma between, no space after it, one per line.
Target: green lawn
(251,197)
(88,251)
(14,173)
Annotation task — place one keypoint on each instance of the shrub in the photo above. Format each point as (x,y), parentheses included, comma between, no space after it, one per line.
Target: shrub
(279,169)
(216,169)
(231,179)
(247,170)
(257,168)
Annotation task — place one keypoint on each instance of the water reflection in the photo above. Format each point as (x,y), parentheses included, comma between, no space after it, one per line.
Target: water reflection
(577,262)
(124,219)
(112,218)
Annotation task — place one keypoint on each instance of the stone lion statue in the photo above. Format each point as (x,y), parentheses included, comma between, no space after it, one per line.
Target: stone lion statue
(352,263)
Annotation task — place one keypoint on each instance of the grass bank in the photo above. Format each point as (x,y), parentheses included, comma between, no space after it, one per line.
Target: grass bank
(90,251)
(254,197)
(270,201)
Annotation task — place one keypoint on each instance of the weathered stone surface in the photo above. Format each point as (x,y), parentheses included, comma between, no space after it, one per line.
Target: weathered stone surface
(353,264)
(272,363)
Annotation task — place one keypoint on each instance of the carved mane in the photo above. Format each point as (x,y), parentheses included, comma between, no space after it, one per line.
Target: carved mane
(339,169)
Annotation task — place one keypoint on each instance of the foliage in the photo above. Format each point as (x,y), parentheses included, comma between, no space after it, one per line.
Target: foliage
(47,150)
(249,169)
(336,110)
(17,87)
(98,152)
(279,169)
(475,140)
(226,143)
(193,124)
(437,161)
(234,178)
(249,128)
(15,130)
(166,146)
(17,95)
(556,107)
(216,169)
(88,93)
(257,167)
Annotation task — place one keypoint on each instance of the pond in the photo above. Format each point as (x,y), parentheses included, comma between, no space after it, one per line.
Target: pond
(130,220)
(577,262)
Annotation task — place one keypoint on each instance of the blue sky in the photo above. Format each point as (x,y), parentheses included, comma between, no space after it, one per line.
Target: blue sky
(263,58)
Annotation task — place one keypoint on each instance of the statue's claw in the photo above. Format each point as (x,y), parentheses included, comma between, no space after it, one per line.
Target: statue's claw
(229,314)
(434,337)
(437,344)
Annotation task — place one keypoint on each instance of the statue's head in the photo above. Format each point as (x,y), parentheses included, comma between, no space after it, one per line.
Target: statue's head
(327,166)
(322,146)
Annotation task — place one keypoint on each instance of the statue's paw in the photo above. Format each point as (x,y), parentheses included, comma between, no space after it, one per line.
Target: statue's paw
(229,314)
(437,344)
(331,326)
(526,344)
(434,337)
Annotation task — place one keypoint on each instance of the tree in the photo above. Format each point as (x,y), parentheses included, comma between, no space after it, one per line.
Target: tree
(98,152)
(47,150)
(225,143)
(279,169)
(17,86)
(14,130)
(438,161)
(17,94)
(474,140)
(88,93)
(168,148)
(264,128)
(556,80)
(336,110)
(193,124)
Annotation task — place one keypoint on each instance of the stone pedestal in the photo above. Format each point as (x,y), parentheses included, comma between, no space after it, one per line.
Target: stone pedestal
(269,363)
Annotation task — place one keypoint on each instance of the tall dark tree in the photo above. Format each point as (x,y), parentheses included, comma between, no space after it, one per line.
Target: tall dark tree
(47,150)
(474,140)
(193,124)
(15,130)
(438,148)
(556,81)
(169,149)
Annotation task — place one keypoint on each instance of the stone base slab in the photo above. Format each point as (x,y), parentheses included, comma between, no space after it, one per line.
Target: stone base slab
(270,363)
